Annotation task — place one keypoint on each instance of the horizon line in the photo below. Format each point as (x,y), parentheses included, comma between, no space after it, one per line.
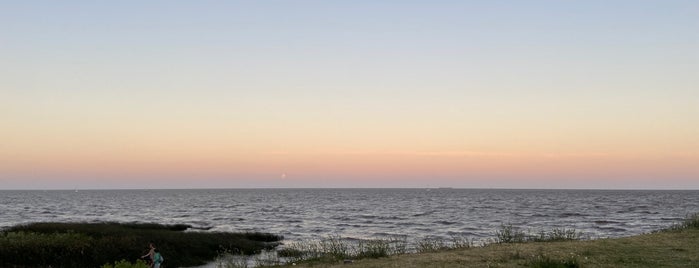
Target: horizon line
(355,188)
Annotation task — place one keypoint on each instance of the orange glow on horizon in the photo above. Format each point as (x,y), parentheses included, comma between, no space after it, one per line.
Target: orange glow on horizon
(388,165)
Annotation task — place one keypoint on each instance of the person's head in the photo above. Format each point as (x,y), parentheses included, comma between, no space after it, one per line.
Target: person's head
(151,245)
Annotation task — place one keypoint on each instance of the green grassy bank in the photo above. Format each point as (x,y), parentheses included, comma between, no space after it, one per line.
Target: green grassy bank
(95,244)
(665,249)
(675,247)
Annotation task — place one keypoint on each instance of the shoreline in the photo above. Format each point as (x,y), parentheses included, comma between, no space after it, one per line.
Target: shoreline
(511,247)
(674,248)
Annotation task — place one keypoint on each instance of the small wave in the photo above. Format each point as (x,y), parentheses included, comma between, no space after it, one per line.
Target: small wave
(367,217)
(423,213)
(637,209)
(672,219)
(613,229)
(452,233)
(606,222)
(446,222)
(270,210)
(227,219)
(348,225)
(572,214)
(649,212)
(382,234)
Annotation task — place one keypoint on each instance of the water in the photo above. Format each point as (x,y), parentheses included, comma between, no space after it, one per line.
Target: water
(304,214)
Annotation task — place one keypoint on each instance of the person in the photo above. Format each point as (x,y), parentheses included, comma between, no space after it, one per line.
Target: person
(150,255)
(157,258)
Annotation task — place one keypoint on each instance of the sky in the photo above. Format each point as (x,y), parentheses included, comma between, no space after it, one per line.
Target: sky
(257,94)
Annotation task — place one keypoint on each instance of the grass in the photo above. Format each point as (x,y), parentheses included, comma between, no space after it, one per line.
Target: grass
(543,261)
(557,234)
(511,234)
(96,244)
(677,246)
(333,248)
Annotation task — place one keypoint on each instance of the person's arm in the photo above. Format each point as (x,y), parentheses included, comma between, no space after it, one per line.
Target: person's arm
(150,254)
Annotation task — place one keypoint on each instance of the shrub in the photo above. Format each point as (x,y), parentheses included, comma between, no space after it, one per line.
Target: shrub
(335,247)
(44,249)
(509,234)
(93,244)
(461,242)
(430,244)
(557,234)
(376,248)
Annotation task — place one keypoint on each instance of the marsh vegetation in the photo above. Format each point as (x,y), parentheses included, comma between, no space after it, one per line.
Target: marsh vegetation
(96,244)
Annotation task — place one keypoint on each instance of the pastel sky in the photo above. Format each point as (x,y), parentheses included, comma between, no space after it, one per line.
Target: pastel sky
(237,94)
